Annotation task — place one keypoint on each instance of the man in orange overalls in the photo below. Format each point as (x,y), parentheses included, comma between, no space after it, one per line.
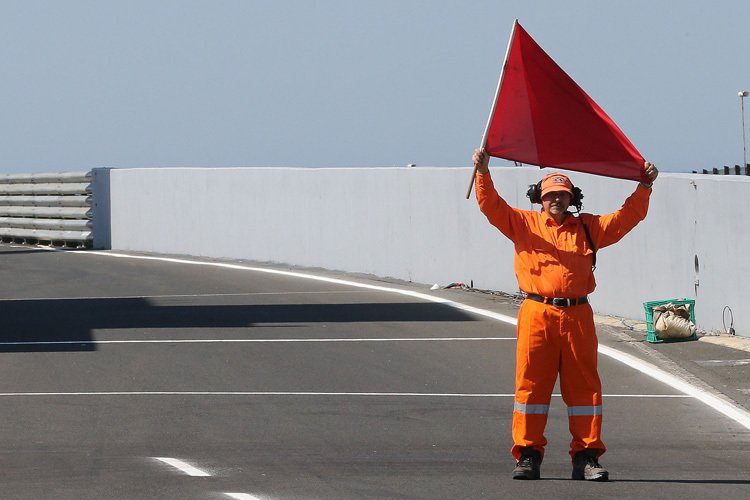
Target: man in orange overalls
(556,334)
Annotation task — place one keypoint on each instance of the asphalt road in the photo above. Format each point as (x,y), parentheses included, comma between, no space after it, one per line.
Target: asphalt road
(126,377)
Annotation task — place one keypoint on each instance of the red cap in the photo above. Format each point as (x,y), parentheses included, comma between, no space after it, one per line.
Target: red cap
(556,182)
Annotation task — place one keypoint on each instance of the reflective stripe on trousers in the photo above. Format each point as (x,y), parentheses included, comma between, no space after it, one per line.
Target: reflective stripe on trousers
(531,409)
(577,411)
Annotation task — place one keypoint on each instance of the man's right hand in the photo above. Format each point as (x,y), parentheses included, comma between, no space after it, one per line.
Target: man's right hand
(481,161)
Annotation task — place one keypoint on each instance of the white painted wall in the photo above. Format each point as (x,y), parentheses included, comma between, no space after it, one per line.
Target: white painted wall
(415,224)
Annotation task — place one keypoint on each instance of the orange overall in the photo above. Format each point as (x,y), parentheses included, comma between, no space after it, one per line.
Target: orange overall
(556,261)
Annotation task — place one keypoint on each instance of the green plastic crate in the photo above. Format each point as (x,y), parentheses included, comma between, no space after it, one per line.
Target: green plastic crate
(649,307)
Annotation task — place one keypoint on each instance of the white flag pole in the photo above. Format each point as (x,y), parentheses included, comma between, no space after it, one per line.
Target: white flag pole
(494,103)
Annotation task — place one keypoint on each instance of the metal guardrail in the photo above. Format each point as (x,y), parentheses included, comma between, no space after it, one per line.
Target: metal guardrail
(736,170)
(50,208)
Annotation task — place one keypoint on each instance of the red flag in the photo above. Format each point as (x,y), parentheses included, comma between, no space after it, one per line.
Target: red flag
(542,117)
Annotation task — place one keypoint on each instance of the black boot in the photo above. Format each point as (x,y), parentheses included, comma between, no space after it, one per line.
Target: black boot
(585,466)
(528,466)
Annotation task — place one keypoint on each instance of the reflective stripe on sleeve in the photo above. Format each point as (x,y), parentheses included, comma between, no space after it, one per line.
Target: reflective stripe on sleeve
(531,409)
(579,411)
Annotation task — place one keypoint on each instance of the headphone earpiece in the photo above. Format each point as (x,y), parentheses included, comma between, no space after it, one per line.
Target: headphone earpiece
(577,197)
(535,193)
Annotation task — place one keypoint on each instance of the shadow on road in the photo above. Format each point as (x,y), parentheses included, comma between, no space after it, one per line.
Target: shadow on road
(67,324)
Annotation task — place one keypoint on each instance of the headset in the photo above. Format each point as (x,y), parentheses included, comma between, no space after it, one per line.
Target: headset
(535,196)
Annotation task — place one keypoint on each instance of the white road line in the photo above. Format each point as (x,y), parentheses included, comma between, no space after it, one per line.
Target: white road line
(210,341)
(735,412)
(645,396)
(724,362)
(301,393)
(181,296)
(242,496)
(183,467)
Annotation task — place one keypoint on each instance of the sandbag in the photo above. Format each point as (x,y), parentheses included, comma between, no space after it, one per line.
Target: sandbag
(673,321)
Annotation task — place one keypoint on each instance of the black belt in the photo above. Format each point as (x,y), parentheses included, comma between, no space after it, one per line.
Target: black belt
(556,301)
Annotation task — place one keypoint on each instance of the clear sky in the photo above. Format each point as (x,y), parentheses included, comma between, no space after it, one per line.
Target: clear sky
(318,83)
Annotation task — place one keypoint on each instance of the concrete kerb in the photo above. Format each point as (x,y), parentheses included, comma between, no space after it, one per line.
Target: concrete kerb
(732,341)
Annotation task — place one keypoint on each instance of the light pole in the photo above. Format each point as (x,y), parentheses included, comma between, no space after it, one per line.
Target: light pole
(742,94)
